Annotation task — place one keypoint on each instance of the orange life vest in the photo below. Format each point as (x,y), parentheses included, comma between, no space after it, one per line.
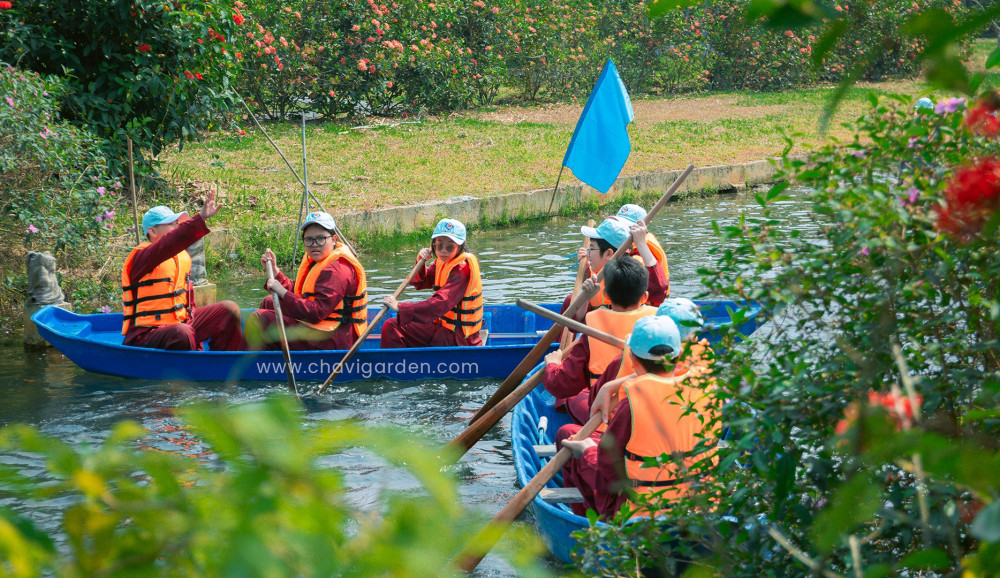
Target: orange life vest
(159,298)
(600,299)
(468,314)
(618,324)
(668,417)
(696,361)
(352,309)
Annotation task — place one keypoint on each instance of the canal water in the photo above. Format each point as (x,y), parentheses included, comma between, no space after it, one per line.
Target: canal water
(532,262)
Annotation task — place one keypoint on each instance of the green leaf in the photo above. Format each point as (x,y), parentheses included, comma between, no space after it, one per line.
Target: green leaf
(854,503)
(986,526)
(994,58)
(929,559)
(657,8)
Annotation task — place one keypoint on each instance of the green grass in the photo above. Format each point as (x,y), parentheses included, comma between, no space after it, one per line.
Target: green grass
(475,154)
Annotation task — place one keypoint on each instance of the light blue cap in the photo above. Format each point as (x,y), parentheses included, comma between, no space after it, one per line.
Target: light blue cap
(650,332)
(924,103)
(320,218)
(612,230)
(684,313)
(450,228)
(159,216)
(631,213)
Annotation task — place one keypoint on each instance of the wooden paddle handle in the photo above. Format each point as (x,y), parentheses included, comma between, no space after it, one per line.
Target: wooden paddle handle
(371,326)
(289,372)
(470,556)
(572,324)
(581,273)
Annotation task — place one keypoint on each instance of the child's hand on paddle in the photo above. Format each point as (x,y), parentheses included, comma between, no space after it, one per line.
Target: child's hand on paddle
(269,256)
(554,357)
(579,446)
(590,286)
(581,253)
(607,398)
(425,254)
(275,287)
(390,302)
(639,232)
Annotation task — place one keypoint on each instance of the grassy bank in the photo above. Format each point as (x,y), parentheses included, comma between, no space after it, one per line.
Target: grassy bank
(504,149)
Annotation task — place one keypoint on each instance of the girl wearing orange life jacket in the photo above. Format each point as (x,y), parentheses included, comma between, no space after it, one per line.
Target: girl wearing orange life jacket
(604,241)
(631,215)
(453,315)
(659,414)
(326,306)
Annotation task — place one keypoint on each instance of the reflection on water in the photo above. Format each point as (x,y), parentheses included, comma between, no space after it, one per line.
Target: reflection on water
(530,262)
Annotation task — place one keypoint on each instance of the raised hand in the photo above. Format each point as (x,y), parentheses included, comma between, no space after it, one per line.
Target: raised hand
(209,208)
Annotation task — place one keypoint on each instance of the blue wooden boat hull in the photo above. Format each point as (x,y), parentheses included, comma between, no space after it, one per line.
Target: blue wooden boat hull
(555,523)
(94,342)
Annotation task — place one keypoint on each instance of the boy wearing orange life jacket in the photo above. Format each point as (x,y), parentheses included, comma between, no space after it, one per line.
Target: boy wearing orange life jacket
(157,294)
(326,307)
(453,315)
(604,241)
(569,380)
(631,215)
(659,414)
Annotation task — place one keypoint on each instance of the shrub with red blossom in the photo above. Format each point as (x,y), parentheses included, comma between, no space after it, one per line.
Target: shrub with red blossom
(971,200)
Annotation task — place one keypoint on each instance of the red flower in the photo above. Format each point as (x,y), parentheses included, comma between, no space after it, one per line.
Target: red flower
(144,48)
(238,17)
(4,5)
(970,199)
(199,76)
(982,117)
(187,74)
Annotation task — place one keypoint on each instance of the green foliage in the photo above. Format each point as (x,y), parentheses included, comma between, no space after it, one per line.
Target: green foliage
(155,71)
(260,506)
(55,191)
(877,301)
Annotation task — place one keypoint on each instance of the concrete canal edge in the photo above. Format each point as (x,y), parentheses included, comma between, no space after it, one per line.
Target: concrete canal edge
(530,205)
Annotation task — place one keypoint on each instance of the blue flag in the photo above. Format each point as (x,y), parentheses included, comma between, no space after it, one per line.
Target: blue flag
(600,144)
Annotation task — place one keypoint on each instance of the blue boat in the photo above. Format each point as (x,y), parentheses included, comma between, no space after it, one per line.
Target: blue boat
(556,522)
(94,342)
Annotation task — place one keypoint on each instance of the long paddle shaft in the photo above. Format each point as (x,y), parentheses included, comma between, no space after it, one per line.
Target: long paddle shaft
(479,427)
(472,554)
(581,272)
(539,349)
(282,155)
(281,332)
(135,205)
(371,326)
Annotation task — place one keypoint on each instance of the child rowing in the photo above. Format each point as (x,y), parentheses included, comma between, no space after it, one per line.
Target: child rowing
(631,215)
(453,315)
(326,307)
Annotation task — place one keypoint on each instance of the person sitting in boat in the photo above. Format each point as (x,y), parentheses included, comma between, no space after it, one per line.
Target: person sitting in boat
(659,414)
(604,241)
(326,307)
(694,360)
(569,378)
(157,293)
(631,215)
(453,315)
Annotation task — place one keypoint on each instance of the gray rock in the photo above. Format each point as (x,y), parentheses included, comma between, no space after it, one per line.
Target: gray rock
(43,284)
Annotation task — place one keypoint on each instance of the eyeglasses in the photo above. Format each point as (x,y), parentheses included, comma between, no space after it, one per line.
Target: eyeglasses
(315,241)
(589,249)
(445,246)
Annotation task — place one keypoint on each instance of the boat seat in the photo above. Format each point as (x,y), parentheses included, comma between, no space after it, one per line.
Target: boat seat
(561,495)
(546,451)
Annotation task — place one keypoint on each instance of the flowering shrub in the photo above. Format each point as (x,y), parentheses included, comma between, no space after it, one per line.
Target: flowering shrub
(55,191)
(894,300)
(153,70)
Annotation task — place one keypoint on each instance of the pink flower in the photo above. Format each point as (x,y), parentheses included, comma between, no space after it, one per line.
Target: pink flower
(105,309)
(101,191)
(949,105)
(108,215)
(31,230)
(10,101)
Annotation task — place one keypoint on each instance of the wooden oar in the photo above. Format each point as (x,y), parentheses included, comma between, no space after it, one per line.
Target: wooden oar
(571,324)
(517,376)
(581,273)
(281,332)
(371,326)
(472,554)
(479,427)
(135,201)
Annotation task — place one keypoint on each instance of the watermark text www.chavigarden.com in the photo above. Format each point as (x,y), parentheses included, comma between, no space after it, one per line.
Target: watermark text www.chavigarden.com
(368,369)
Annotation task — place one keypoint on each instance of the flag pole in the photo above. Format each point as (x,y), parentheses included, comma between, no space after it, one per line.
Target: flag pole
(555,190)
